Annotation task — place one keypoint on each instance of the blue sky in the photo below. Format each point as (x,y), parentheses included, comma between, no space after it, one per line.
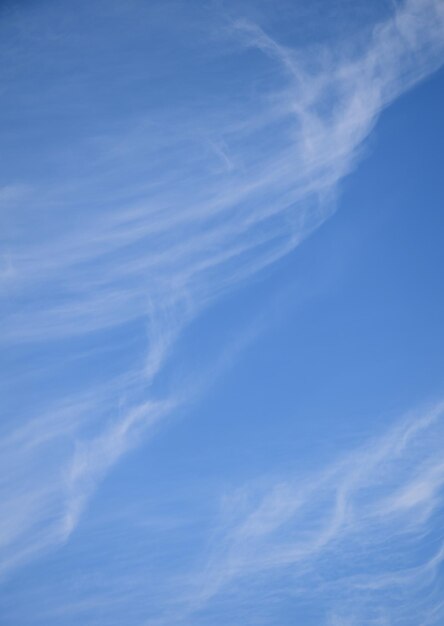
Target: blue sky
(222,303)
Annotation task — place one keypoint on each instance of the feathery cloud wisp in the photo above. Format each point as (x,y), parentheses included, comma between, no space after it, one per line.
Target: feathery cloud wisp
(156,247)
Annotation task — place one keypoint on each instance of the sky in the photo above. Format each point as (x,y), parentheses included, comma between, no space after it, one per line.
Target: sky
(222,349)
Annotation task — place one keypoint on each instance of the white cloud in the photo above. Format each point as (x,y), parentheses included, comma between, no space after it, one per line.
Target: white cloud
(163,248)
(334,536)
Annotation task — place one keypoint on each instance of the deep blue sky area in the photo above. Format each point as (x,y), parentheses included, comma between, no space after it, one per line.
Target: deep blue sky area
(355,313)
(221,271)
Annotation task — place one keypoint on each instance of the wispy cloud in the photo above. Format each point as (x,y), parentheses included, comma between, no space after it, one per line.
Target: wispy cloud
(348,535)
(155,245)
